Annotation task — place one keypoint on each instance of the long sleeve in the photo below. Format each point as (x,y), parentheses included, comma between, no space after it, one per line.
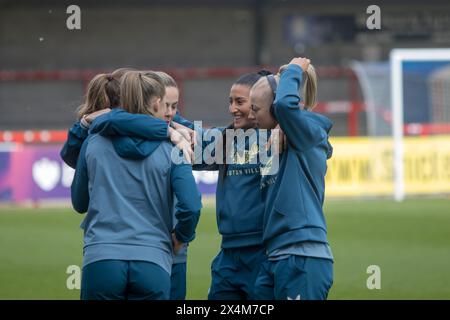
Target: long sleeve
(71,149)
(80,183)
(184,122)
(207,142)
(210,139)
(117,122)
(187,209)
(302,132)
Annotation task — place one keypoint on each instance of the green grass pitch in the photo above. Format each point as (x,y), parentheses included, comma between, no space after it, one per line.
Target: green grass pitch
(409,241)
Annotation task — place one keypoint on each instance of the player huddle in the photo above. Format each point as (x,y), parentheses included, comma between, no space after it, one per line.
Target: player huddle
(143,207)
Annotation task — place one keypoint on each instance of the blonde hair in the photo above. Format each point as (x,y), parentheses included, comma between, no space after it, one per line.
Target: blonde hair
(167,80)
(119,73)
(102,92)
(138,89)
(309,86)
(308,90)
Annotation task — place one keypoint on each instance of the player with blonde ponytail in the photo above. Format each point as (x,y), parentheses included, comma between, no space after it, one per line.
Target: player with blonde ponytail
(300,262)
(129,234)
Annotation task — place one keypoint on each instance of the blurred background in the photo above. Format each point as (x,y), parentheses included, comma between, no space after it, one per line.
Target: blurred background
(205,46)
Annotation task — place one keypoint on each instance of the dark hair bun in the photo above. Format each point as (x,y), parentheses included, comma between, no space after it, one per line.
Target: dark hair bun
(264,73)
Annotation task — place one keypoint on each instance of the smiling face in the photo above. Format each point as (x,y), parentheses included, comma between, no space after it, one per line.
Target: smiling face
(240,107)
(171,99)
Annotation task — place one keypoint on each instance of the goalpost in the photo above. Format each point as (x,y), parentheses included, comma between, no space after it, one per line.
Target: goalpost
(397,59)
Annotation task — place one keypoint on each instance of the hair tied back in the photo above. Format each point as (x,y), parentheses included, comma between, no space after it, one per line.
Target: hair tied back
(264,73)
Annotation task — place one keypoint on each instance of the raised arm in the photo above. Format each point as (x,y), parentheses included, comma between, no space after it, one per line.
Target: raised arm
(302,131)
